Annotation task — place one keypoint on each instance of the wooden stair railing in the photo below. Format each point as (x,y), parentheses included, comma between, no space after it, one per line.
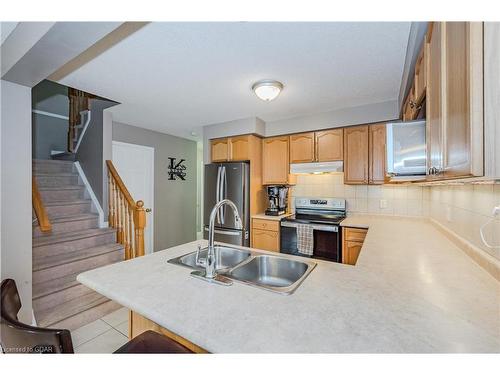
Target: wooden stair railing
(41,214)
(78,102)
(125,214)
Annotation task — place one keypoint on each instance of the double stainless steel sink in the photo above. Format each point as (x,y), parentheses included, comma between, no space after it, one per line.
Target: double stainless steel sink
(270,272)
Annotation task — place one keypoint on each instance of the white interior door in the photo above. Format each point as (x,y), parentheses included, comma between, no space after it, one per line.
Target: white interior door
(135,165)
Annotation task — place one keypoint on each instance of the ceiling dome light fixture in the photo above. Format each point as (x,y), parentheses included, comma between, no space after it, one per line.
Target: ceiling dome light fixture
(267,89)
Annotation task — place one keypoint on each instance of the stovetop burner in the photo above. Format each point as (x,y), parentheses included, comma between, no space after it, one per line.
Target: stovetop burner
(315,219)
(318,211)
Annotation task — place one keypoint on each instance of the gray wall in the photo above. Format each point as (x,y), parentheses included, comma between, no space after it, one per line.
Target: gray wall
(90,154)
(175,201)
(49,133)
(16,191)
(51,97)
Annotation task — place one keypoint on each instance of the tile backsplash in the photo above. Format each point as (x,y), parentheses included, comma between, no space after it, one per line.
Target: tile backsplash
(460,208)
(464,209)
(374,199)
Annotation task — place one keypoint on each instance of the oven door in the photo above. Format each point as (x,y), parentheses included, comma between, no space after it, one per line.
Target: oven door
(327,241)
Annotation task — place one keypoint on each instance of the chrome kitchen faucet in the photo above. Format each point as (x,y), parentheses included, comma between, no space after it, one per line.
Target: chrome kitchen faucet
(210,261)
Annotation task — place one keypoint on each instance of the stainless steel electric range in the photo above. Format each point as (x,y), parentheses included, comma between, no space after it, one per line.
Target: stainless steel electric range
(325,216)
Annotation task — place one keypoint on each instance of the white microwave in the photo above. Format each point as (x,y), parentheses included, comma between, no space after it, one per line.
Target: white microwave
(406,148)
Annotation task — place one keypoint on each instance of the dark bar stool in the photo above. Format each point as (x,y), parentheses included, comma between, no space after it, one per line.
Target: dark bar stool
(17,337)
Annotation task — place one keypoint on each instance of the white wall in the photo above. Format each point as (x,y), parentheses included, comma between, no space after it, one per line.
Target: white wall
(16,217)
(333,119)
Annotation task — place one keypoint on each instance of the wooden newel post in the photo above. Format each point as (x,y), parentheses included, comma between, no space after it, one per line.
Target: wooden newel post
(139,224)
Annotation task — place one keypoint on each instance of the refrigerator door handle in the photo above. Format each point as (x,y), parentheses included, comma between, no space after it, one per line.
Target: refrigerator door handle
(217,191)
(223,193)
(226,232)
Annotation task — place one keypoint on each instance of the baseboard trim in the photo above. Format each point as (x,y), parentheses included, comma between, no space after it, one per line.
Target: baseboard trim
(95,202)
(489,263)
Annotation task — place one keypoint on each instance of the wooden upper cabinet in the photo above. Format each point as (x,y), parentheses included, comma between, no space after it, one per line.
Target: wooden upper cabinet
(219,150)
(356,143)
(377,148)
(463,99)
(330,145)
(420,76)
(302,148)
(410,109)
(275,166)
(455,100)
(239,148)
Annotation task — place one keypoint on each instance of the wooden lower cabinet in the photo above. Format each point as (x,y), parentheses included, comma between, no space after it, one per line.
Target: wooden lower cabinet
(265,235)
(350,252)
(352,243)
(138,324)
(266,240)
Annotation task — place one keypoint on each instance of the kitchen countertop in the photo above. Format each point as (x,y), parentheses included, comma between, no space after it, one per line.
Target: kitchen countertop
(269,217)
(412,290)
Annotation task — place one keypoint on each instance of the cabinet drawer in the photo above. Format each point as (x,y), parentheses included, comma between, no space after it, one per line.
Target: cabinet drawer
(354,234)
(266,225)
(265,240)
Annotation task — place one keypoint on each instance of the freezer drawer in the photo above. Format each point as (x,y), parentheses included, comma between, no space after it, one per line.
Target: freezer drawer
(229,236)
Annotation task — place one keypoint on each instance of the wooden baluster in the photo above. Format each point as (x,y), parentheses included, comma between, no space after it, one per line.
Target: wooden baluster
(140,223)
(126,241)
(110,199)
(119,219)
(122,221)
(115,199)
(130,232)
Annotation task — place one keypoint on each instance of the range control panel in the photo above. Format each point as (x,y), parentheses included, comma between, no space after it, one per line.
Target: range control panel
(320,203)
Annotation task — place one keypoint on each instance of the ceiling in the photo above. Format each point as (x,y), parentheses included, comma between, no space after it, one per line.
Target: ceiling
(175,77)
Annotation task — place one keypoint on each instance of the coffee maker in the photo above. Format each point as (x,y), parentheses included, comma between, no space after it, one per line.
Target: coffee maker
(277,200)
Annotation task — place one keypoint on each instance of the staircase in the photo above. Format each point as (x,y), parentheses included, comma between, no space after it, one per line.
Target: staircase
(74,245)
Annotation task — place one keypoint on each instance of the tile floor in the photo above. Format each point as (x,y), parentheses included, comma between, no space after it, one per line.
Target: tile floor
(104,335)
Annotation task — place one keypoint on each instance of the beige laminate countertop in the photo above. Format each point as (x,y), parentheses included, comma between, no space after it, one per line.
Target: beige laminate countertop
(412,290)
(269,217)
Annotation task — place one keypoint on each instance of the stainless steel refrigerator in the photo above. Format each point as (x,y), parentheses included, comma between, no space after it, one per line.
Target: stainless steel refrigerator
(228,181)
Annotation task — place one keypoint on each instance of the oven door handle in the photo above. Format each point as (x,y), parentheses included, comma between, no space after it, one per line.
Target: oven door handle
(324,228)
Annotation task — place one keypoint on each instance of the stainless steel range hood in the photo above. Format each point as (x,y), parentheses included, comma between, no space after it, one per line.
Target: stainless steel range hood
(316,168)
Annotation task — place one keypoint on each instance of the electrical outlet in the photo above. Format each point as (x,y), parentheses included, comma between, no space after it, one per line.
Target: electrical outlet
(383,203)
